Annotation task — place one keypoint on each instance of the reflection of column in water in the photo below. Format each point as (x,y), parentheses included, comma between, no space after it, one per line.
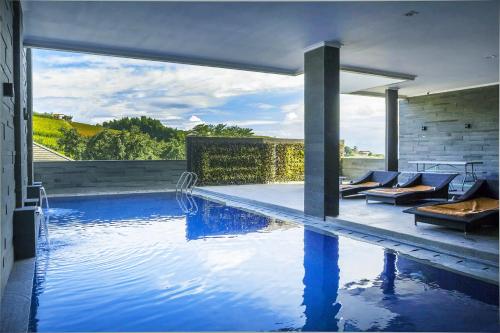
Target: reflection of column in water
(321,282)
(389,274)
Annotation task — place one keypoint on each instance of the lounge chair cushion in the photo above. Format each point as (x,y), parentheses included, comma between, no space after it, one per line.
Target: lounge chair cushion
(463,208)
(399,190)
(364,184)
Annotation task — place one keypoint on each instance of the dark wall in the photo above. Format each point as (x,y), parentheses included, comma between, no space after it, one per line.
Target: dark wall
(8,199)
(87,177)
(446,137)
(13,126)
(20,111)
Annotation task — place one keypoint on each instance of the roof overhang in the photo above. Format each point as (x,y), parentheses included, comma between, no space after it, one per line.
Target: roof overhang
(446,45)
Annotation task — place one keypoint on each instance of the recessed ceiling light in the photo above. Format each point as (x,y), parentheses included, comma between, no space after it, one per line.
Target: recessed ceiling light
(491,56)
(411,13)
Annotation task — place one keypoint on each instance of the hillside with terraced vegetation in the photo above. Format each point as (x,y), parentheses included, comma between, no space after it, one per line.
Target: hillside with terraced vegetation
(47,129)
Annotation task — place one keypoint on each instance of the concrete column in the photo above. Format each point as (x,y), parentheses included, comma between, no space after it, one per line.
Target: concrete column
(321,131)
(391,130)
(29,102)
(19,134)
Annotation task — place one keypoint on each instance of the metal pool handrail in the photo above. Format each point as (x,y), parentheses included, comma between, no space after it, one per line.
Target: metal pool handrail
(187,181)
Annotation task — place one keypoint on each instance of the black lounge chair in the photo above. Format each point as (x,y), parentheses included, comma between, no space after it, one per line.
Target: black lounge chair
(372,179)
(422,186)
(480,189)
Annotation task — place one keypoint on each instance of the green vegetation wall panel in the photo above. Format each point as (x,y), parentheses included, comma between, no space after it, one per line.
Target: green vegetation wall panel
(219,161)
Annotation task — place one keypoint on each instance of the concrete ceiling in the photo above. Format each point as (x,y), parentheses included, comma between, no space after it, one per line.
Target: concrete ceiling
(447,45)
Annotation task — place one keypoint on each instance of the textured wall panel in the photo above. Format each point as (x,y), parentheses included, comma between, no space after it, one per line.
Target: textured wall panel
(6,142)
(446,137)
(354,167)
(81,177)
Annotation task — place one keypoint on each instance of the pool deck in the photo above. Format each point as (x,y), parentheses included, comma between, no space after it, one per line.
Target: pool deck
(378,219)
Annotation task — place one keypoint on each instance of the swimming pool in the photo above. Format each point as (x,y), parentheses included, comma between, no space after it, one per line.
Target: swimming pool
(138,263)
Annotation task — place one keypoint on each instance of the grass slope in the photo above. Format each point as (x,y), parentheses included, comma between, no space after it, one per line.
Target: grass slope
(47,131)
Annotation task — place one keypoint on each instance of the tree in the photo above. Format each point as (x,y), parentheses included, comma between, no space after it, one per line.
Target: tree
(124,145)
(348,151)
(141,138)
(153,127)
(221,130)
(104,146)
(72,143)
(139,146)
(174,150)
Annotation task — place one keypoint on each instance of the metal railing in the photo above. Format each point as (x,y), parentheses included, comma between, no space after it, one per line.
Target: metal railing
(183,192)
(186,183)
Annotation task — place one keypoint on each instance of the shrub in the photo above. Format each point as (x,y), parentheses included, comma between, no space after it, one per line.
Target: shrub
(219,161)
(228,163)
(289,162)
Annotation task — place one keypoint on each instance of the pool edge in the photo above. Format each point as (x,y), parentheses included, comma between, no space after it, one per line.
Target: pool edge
(16,301)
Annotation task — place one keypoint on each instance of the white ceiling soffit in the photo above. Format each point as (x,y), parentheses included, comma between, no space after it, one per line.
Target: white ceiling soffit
(353,82)
(446,45)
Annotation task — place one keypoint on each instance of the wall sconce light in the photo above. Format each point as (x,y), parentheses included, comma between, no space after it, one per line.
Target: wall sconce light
(468,125)
(424,128)
(8,89)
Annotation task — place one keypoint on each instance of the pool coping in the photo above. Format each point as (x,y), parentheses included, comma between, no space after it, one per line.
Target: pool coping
(17,297)
(439,256)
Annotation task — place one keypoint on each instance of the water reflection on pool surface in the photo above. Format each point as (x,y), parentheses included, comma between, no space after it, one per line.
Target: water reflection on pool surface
(137,263)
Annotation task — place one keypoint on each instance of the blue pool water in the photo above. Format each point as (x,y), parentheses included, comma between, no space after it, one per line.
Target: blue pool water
(137,263)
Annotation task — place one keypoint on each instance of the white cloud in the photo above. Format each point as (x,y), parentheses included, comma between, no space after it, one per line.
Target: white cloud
(97,88)
(292,116)
(361,122)
(264,106)
(83,85)
(195,119)
(251,122)
(294,113)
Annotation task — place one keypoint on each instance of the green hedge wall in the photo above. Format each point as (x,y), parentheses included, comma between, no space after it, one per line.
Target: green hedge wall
(224,161)
(289,162)
(218,164)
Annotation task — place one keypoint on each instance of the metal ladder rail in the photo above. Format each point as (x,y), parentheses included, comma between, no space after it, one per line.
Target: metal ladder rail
(180,181)
(183,192)
(193,183)
(187,181)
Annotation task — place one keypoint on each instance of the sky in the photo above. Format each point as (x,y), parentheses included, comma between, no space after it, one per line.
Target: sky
(94,89)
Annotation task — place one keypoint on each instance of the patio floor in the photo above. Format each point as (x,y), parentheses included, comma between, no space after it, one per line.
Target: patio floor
(374,218)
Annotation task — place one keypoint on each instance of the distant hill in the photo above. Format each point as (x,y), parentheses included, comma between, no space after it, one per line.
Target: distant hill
(47,129)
